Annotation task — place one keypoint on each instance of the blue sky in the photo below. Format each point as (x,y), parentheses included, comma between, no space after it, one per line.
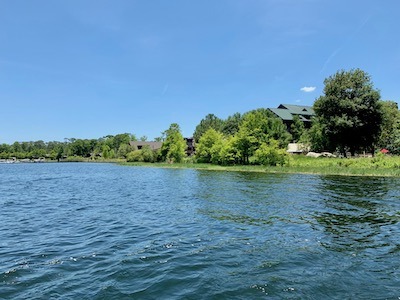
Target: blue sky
(86,69)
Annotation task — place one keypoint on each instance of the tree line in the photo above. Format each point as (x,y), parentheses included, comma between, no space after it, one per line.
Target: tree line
(350,117)
(110,146)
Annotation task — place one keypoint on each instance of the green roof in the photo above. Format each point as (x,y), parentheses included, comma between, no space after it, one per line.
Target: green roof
(282,113)
(298,109)
(287,111)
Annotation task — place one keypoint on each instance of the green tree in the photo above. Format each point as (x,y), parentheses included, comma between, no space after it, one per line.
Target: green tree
(174,146)
(210,121)
(231,124)
(208,140)
(27,146)
(37,153)
(59,151)
(143,155)
(350,111)
(83,148)
(246,143)
(317,137)
(258,127)
(124,149)
(106,151)
(148,154)
(228,154)
(39,145)
(134,156)
(120,139)
(269,154)
(296,129)
(389,137)
(5,151)
(16,147)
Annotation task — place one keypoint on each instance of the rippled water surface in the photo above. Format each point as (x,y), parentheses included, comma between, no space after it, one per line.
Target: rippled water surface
(102,231)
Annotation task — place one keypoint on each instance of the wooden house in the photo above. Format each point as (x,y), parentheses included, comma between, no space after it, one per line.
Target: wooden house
(286,112)
(139,145)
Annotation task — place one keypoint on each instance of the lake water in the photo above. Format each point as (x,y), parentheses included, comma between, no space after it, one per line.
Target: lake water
(103,231)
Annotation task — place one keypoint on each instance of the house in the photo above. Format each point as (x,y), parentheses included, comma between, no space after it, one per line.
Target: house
(286,112)
(139,145)
(190,147)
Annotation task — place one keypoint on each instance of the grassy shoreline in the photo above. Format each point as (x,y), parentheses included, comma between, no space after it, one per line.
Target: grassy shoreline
(378,166)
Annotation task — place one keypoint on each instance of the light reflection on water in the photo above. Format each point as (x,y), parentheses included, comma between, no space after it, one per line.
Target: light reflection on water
(98,231)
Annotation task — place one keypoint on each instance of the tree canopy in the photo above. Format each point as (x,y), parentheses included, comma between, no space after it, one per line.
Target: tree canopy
(240,137)
(390,129)
(349,111)
(174,146)
(108,147)
(209,121)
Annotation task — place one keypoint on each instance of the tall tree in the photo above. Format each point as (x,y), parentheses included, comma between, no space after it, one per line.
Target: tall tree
(174,146)
(231,124)
(350,111)
(120,139)
(297,128)
(210,121)
(259,126)
(208,140)
(317,137)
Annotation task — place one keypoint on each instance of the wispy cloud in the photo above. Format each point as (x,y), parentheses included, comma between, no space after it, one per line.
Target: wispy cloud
(333,54)
(166,86)
(308,89)
(345,43)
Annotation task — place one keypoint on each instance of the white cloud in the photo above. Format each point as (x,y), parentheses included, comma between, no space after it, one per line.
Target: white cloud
(308,89)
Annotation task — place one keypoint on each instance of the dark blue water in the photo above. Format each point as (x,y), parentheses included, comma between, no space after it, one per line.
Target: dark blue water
(102,231)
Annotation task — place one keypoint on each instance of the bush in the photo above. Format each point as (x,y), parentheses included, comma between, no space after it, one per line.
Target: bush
(271,155)
(147,154)
(135,156)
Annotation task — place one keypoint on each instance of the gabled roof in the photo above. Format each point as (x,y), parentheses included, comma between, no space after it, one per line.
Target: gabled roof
(298,109)
(287,111)
(282,113)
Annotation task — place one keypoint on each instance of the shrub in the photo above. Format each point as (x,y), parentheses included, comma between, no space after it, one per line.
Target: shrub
(147,154)
(271,155)
(134,156)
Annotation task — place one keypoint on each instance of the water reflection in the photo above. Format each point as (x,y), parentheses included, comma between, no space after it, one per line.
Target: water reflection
(357,213)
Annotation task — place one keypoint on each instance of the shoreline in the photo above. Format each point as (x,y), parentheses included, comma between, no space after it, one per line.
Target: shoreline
(361,167)
(341,171)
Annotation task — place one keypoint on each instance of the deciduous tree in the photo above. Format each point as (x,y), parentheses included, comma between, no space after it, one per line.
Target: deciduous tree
(390,128)
(350,111)
(206,146)
(297,129)
(174,146)
(210,121)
